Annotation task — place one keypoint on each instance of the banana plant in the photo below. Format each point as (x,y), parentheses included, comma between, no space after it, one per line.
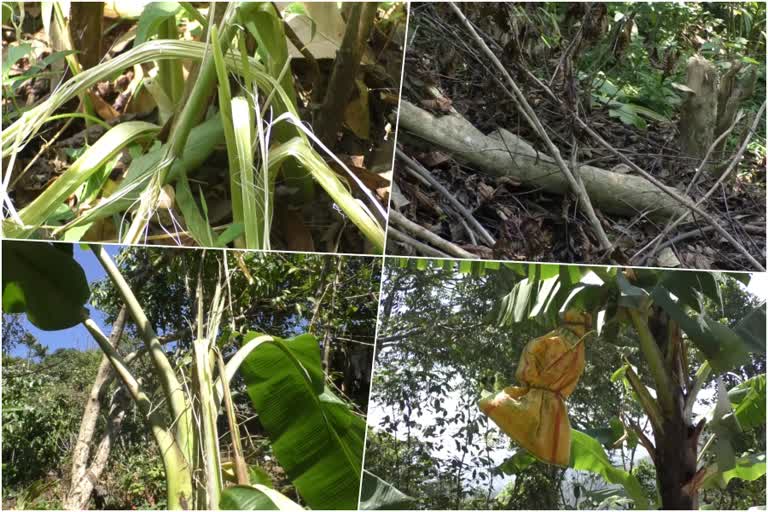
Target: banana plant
(315,435)
(667,314)
(258,121)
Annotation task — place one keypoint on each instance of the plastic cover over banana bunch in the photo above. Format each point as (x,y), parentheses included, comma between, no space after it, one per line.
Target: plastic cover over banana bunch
(534,413)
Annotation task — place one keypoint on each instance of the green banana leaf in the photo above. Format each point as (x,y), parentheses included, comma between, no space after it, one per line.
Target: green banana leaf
(748,399)
(316,437)
(46,282)
(587,454)
(256,497)
(376,494)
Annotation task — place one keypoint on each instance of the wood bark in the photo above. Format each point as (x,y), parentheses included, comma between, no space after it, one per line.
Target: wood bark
(330,114)
(85,476)
(676,450)
(86,26)
(503,154)
(732,92)
(698,116)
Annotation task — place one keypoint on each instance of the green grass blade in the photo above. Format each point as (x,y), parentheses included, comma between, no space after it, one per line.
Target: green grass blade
(330,182)
(225,107)
(36,213)
(253,211)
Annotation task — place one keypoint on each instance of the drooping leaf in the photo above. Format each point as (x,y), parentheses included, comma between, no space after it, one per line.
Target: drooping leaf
(153,15)
(748,399)
(316,437)
(256,497)
(265,24)
(723,348)
(376,494)
(751,328)
(587,454)
(686,286)
(45,282)
(748,467)
(725,427)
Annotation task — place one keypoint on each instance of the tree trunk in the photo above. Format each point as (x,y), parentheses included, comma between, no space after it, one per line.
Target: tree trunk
(677,445)
(505,154)
(83,478)
(330,114)
(698,117)
(86,26)
(731,93)
(676,464)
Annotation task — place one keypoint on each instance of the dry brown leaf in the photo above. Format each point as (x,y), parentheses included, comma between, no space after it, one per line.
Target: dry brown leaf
(441,104)
(293,230)
(103,109)
(434,158)
(357,115)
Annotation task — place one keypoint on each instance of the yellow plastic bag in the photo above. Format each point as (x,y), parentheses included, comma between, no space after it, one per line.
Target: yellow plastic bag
(534,414)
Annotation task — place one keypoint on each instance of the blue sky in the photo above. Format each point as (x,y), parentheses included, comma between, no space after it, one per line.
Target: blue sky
(75,337)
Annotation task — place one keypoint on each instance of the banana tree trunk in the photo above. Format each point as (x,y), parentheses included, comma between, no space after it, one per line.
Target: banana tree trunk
(676,452)
(676,437)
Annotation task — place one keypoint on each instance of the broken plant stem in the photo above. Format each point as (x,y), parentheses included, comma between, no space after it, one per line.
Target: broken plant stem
(425,234)
(427,176)
(201,347)
(578,189)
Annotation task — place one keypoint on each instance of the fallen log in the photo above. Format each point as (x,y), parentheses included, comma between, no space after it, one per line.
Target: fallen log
(505,154)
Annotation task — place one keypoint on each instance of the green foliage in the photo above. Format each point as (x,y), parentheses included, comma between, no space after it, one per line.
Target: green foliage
(44,281)
(257,497)
(154,15)
(441,339)
(748,399)
(316,437)
(637,68)
(42,404)
(587,454)
(135,476)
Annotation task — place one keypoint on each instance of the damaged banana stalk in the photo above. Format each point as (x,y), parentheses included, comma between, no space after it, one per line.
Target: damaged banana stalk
(534,414)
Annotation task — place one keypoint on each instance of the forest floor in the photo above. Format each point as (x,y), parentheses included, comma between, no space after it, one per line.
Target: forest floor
(445,70)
